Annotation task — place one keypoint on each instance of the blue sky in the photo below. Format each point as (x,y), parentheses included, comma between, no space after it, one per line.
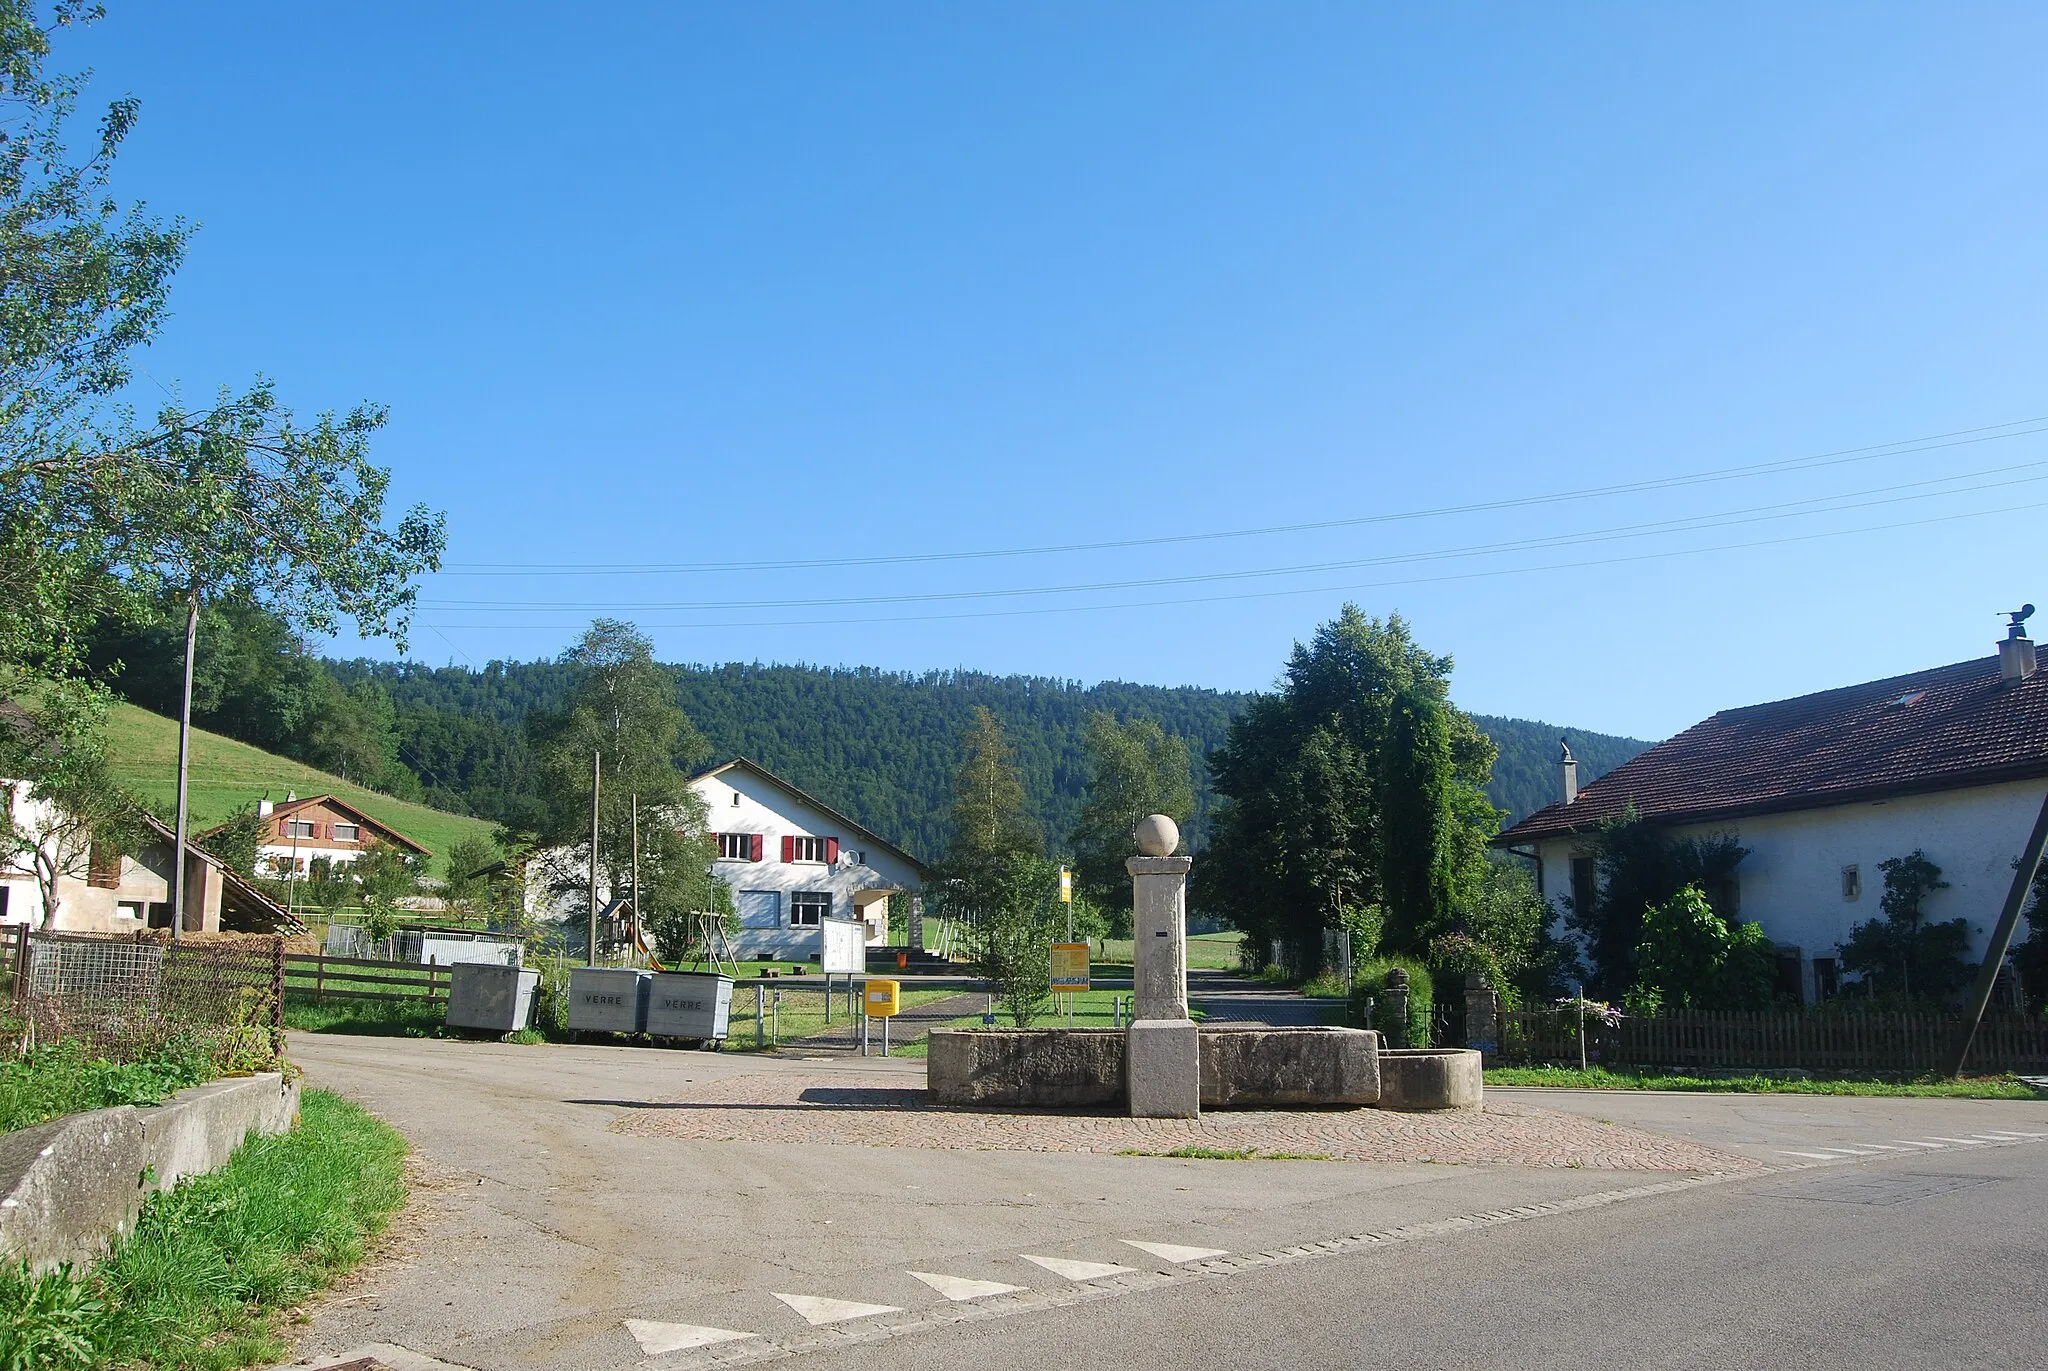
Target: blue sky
(723,286)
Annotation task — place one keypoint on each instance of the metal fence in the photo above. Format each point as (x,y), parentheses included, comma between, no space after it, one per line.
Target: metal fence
(131,996)
(1813,1040)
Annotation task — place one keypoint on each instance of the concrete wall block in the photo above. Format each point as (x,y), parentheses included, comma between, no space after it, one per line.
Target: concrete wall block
(1259,1068)
(1026,1066)
(197,1130)
(69,1187)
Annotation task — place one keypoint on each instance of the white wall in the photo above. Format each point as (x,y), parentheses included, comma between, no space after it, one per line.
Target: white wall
(738,801)
(1791,881)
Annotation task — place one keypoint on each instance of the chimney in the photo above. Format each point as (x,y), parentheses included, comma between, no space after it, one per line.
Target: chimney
(263,808)
(1569,765)
(2016,649)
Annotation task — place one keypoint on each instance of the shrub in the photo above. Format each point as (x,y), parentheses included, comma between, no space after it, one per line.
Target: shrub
(1690,958)
(1901,955)
(1369,981)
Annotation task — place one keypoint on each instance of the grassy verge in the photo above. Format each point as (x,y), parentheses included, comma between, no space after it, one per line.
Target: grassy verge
(201,1283)
(1929,1087)
(379,1018)
(64,1078)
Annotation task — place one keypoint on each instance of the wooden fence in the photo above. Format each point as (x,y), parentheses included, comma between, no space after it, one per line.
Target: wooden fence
(321,978)
(1814,1040)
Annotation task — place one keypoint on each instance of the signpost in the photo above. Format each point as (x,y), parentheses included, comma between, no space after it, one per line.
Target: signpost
(842,952)
(1069,972)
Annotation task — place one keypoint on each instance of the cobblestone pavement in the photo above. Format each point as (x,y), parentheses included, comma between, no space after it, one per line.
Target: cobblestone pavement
(849,1112)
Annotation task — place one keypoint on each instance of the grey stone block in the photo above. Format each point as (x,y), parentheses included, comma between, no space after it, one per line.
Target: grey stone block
(1420,1078)
(1163,1069)
(1026,1066)
(1260,1068)
(70,1186)
(197,1130)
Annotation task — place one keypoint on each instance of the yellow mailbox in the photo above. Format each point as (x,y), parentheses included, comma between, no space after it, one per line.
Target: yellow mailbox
(881,999)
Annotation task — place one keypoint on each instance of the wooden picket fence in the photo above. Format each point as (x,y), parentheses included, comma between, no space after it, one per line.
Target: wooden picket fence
(1813,1040)
(321,978)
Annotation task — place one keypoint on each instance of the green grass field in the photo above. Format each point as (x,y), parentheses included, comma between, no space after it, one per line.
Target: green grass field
(225,775)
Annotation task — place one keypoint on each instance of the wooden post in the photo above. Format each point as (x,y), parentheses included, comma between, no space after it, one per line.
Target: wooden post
(277,995)
(2001,937)
(320,977)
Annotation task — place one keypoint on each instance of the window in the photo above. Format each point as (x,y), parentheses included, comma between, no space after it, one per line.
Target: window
(1826,978)
(808,907)
(735,799)
(739,847)
(347,833)
(1585,883)
(129,909)
(1852,883)
(295,828)
(807,850)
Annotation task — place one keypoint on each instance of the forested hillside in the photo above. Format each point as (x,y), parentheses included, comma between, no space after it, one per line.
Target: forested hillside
(881,746)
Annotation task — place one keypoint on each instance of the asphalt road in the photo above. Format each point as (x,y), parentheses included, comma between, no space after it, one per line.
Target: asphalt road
(544,1239)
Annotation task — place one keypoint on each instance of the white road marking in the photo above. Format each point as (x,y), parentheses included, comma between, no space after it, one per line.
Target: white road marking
(1174,1252)
(1966,1142)
(961,1288)
(1850,1151)
(1938,1147)
(1810,1156)
(657,1338)
(1078,1271)
(1883,1147)
(1995,1137)
(816,1309)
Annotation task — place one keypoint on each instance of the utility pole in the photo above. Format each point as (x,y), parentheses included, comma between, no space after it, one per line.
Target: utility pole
(184,765)
(2001,938)
(639,927)
(596,779)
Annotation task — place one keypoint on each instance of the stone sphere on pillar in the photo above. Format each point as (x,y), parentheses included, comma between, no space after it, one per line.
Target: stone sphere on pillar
(1156,836)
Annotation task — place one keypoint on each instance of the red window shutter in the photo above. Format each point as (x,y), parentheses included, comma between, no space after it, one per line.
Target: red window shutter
(831,851)
(320,830)
(789,847)
(755,855)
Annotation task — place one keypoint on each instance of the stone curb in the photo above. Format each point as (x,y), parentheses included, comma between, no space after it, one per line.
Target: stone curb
(71,1187)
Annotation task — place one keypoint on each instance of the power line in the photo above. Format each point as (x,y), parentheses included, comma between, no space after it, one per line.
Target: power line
(1792,509)
(1303,590)
(1989,433)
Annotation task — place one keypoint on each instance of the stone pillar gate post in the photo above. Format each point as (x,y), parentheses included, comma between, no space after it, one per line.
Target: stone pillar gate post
(1162,1061)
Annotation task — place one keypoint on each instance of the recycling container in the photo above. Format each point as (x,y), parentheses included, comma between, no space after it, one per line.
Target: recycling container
(689,1004)
(605,999)
(490,996)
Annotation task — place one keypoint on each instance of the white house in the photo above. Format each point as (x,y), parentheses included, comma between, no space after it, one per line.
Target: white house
(793,860)
(1951,761)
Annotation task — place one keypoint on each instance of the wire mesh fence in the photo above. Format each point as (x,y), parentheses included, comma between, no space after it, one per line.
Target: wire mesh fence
(131,997)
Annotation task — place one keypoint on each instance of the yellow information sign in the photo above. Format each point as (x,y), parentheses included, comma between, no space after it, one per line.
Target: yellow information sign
(880,999)
(1066,886)
(1070,966)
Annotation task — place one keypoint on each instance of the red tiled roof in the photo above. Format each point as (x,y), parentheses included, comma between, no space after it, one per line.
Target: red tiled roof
(1940,729)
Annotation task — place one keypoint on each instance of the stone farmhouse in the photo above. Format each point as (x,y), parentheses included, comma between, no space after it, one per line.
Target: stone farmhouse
(1952,761)
(297,832)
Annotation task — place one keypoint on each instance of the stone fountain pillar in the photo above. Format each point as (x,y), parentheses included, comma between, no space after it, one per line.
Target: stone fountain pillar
(1162,1061)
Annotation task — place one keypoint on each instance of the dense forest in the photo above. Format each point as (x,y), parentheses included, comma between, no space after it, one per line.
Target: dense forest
(884,747)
